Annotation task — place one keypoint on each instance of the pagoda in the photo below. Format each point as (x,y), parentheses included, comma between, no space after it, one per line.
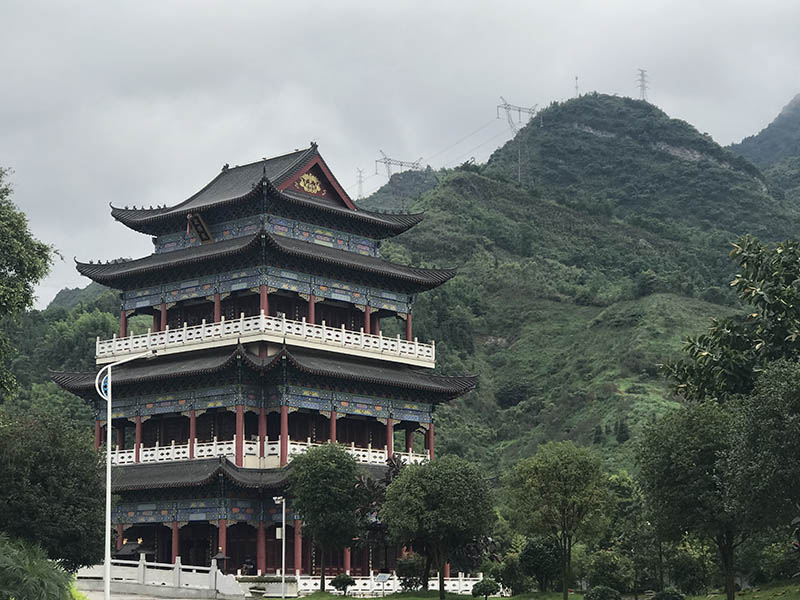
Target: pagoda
(269,299)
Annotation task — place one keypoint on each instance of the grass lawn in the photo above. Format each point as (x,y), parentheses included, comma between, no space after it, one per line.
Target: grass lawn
(787,590)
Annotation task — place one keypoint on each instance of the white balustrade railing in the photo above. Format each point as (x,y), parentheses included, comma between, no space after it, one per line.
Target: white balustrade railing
(215,448)
(335,339)
(227,448)
(368,455)
(368,587)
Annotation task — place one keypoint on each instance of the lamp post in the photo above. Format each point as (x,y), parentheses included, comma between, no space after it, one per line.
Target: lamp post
(103,386)
(282,501)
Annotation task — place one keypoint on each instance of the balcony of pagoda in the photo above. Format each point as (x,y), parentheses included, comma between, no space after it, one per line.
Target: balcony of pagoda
(267,442)
(275,329)
(251,452)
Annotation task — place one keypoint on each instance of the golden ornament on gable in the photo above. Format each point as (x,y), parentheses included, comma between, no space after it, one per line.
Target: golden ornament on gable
(310,184)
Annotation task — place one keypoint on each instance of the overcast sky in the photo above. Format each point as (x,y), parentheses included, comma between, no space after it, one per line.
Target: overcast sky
(143,102)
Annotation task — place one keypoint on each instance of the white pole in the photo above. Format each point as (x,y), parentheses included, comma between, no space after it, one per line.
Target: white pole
(107,566)
(107,396)
(283,551)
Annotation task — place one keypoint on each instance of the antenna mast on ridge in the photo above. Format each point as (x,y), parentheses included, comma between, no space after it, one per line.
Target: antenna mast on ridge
(403,164)
(642,82)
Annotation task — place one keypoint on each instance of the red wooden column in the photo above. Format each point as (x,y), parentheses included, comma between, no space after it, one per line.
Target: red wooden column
(239,444)
(376,325)
(98,433)
(120,535)
(176,535)
(332,435)
(409,332)
(192,431)
(347,560)
(123,323)
(430,441)
(137,439)
(409,440)
(298,546)
(262,432)
(120,438)
(447,570)
(163,316)
(264,299)
(217,308)
(223,537)
(156,321)
(284,434)
(312,310)
(389,437)
(261,549)
(367,319)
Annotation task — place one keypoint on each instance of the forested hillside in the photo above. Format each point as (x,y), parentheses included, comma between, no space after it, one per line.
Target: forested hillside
(588,247)
(778,141)
(579,277)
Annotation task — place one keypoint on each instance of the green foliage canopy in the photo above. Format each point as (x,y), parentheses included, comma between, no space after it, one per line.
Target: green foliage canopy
(442,505)
(687,474)
(324,489)
(53,488)
(560,491)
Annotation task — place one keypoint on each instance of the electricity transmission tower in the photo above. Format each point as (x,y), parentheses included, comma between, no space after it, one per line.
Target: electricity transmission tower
(642,82)
(577,93)
(403,164)
(510,108)
(360,178)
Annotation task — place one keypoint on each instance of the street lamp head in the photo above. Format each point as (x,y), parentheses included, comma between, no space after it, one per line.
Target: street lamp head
(278,499)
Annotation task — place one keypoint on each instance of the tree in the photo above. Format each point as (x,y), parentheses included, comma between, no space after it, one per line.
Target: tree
(560,491)
(611,569)
(53,487)
(443,505)
(688,477)
(323,486)
(767,445)
(485,587)
(342,581)
(541,558)
(726,360)
(24,261)
(27,574)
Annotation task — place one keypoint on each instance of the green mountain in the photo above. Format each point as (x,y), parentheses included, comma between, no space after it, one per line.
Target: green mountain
(589,247)
(778,140)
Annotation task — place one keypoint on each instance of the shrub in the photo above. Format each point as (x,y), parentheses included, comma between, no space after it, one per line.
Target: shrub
(485,587)
(602,592)
(611,569)
(342,581)
(669,594)
(411,571)
(27,574)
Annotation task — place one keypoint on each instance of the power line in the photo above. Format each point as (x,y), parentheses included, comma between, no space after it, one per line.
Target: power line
(471,150)
(642,82)
(466,137)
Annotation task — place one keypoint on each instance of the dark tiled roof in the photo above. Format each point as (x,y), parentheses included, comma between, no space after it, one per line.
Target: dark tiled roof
(395,222)
(336,367)
(190,473)
(240,182)
(231,184)
(198,472)
(425,278)
(188,363)
(108,273)
(368,371)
